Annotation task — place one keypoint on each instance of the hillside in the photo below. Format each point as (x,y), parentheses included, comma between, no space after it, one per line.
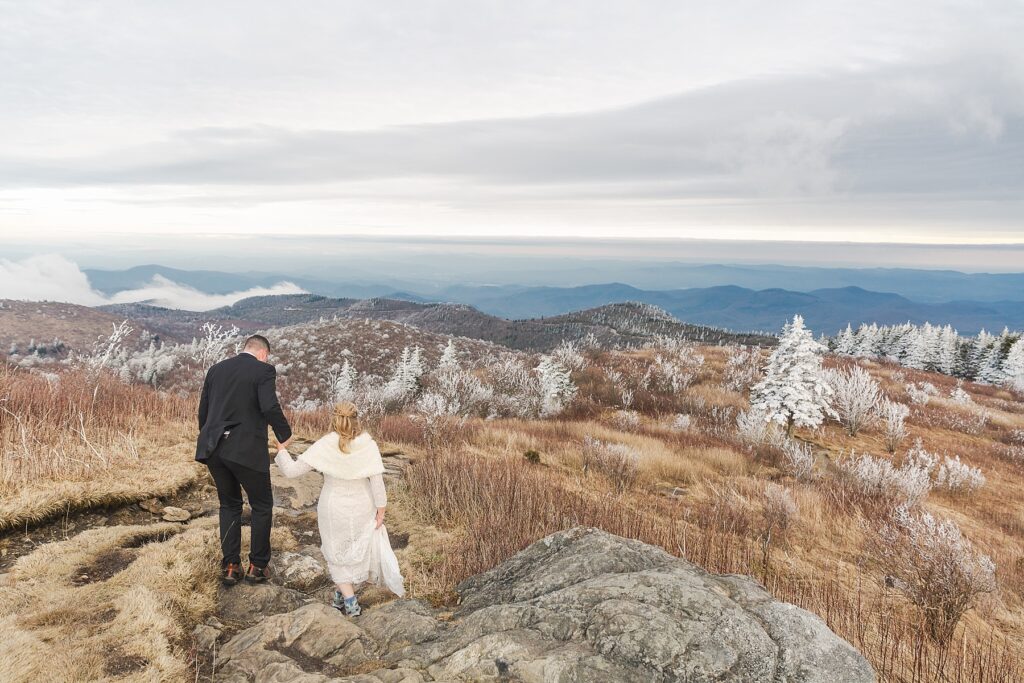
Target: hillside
(614,324)
(57,328)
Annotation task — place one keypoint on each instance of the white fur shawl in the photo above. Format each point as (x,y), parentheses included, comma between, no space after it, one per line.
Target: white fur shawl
(325,456)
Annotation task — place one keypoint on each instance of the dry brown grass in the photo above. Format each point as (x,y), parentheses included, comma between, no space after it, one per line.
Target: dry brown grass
(56,625)
(76,441)
(489,502)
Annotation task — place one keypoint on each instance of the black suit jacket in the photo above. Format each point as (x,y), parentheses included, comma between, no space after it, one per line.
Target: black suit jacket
(240,395)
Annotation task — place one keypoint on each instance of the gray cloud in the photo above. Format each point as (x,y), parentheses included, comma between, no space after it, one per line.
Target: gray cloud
(951,129)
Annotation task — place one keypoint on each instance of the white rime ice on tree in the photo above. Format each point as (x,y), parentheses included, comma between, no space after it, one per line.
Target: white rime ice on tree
(794,391)
(405,378)
(1014,365)
(855,397)
(449,358)
(557,388)
(894,417)
(340,381)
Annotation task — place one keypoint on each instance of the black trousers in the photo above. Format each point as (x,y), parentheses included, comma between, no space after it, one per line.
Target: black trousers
(230,479)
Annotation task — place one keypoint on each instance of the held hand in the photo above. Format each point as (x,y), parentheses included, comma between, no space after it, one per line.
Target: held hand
(380,518)
(282,445)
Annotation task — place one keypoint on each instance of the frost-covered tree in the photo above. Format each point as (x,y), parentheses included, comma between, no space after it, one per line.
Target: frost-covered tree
(846,342)
(212,345)
(557,388)
(990,369)
(855,397)
(404,382)
(794,391)
(339,380)
(893,416)
(1013,366)
(449,357)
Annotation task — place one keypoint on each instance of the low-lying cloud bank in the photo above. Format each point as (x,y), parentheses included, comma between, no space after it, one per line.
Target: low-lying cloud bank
(52,277)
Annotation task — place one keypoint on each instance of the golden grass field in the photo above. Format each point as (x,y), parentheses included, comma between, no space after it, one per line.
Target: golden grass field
(699,492)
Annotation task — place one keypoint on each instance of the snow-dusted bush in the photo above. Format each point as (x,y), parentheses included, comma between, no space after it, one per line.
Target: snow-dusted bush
(794,391)
(876,479)
(893,416)
(617,461)
(798,459)
(681,422)
(557,388)
(918,396)
(568,354)
(958,477)
(339,381)
(516,389)
(742,369)
(931,562)
(676,368)
(626,420)
(855,397)
(958,395)
(754,427)
(948,473)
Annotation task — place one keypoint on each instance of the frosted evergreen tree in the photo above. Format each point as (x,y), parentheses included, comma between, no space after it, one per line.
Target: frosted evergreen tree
(867,340)
(990,370)
(449,358)
(1013,366)
(948,352)
(794,391)
(343,382)
(917,353)
(846,342)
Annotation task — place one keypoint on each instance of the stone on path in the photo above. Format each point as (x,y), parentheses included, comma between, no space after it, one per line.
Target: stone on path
(174,514)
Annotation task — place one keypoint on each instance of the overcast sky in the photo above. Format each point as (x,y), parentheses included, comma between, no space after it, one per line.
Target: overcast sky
(820,120)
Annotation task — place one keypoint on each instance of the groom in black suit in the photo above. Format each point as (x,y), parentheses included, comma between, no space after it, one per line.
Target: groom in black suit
(239,400)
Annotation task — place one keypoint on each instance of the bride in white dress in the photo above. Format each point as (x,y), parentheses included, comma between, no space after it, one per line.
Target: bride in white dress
(350,512)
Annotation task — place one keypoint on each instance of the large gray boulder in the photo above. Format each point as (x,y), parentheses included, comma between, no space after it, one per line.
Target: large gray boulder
(579,605)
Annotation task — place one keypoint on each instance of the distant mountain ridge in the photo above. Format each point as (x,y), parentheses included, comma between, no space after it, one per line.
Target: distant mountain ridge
(729,306)
(626,323)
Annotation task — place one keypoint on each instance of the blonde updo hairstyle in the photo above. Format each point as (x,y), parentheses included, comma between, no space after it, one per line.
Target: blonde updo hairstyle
(346,424)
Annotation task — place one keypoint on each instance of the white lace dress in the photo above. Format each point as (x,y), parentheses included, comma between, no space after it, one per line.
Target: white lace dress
(346,516)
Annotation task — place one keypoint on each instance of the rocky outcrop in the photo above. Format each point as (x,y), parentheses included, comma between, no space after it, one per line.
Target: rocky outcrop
(579,605)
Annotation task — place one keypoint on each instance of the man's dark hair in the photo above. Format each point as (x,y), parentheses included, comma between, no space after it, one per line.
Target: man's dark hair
(257,341)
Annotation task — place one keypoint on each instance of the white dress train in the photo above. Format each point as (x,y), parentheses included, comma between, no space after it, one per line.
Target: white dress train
(355,550)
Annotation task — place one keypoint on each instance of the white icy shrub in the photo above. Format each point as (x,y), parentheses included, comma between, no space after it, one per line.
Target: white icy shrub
(798,459)
(742,369)
(958,477)
(681,422)
(931,562)
(878,480)
(961,397)
(568,354)
(855,397)
(617,461)
(893,416)
(755,428)
(557,388)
